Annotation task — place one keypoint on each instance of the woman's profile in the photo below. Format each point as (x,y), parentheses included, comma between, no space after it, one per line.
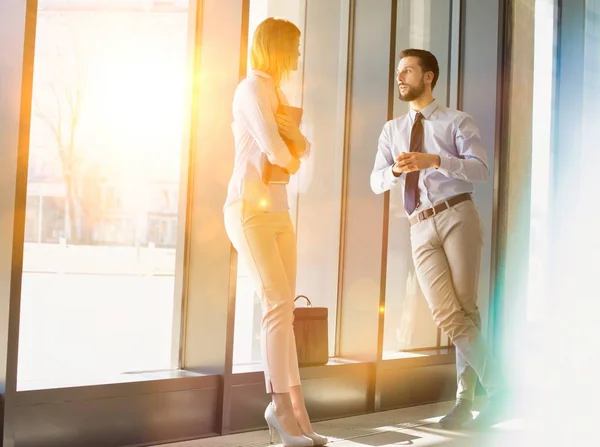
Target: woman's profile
(269,148)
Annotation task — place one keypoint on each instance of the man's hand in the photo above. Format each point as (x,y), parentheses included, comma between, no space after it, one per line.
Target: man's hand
(415,161)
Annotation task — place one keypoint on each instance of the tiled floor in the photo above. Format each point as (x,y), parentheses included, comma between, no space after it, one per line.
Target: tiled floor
(415,426)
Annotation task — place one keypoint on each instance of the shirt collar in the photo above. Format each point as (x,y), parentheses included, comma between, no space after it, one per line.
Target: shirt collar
(262,74)
(426,112)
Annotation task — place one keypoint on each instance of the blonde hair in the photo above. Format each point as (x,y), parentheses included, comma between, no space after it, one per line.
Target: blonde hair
(272,47)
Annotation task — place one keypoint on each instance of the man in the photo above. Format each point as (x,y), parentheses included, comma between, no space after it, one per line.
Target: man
(435,154)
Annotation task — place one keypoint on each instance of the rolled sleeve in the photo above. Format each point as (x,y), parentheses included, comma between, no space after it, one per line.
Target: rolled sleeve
(306,152)
(253,104)
(446,166)
(470,164)
(382,176)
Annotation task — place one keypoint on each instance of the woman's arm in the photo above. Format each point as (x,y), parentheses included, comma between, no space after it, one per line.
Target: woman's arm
(252,103)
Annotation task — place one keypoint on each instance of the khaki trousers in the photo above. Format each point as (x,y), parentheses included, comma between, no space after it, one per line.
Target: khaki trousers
(266,244)
(447,253)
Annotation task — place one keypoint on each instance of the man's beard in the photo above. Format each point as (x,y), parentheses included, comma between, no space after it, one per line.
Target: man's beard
(412,93)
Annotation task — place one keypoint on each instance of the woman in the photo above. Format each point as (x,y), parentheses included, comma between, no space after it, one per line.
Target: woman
(268,148)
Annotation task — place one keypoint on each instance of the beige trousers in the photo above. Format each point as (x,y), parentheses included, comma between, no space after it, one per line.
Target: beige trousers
(447,253)
(266,244)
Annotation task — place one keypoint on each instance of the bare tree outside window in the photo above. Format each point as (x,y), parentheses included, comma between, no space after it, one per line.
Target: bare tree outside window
(105,145)
(58,102)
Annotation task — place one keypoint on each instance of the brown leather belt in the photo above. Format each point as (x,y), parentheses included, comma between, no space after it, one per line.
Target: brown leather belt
(426,214)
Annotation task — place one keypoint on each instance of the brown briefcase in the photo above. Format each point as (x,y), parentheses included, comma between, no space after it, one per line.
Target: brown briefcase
(311,331)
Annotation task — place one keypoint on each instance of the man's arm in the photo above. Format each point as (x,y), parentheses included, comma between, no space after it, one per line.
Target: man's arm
(472,163)
(383,176)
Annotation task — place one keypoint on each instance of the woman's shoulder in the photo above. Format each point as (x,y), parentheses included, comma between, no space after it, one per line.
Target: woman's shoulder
(252,89)
(253,85)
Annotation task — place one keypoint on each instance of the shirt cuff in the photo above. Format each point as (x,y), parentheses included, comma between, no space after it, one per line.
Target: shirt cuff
(389,177)
(306,152)
(445,166)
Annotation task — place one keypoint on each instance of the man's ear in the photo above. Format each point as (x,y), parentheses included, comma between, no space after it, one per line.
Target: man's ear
(429,77)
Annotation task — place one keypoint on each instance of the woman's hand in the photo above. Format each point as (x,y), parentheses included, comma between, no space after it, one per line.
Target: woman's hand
(289,130)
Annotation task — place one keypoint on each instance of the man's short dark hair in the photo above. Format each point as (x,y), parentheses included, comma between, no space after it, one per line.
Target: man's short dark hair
(427,61)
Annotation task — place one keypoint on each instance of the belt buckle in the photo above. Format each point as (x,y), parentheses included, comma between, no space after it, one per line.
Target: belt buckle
(435,212)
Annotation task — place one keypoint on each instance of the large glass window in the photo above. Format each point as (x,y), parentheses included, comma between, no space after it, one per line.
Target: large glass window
(408,323)
(540,147)
(589,240)
(315,193)
(104,173)
(248,310)
(563,299)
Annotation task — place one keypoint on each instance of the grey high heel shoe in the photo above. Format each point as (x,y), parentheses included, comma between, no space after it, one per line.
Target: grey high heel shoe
(286,439)
(316,438)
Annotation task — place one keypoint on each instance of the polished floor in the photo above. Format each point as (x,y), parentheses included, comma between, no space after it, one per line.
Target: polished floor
(416,426)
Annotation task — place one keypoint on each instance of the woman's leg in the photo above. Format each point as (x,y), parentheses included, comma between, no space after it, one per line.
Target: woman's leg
(299,407)
(286,241)
(254,234)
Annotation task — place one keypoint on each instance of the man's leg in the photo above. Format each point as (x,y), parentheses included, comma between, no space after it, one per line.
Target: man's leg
(435,277)
(462,239)
(462,236)
(466,380)
(462,244)
(432,271)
